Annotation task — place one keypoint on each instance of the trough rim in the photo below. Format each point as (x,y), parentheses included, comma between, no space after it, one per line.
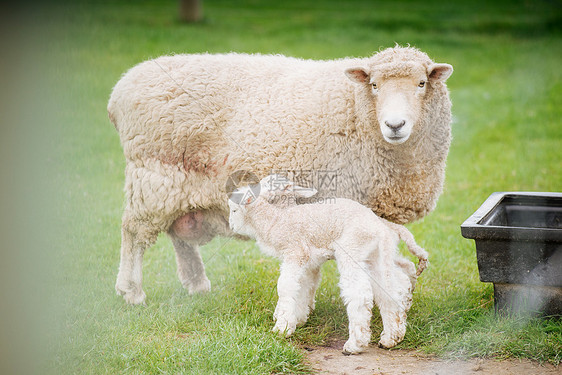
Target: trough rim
(472,229)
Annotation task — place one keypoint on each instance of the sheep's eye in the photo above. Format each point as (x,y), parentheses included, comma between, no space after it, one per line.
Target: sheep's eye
(374,86)
(421,84)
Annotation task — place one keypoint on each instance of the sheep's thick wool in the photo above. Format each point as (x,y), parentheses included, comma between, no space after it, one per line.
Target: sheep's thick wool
(187,122)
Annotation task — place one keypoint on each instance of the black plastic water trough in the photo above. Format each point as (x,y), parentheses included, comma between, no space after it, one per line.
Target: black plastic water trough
(518,237)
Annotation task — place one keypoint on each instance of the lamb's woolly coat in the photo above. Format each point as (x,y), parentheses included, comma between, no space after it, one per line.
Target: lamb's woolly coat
(186,122)
(364,246)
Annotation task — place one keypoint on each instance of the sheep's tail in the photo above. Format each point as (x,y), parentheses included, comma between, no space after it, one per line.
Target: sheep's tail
(406,236)
(110,113)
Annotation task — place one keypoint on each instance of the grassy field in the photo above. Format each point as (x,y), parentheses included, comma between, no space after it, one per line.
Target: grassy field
(507,106)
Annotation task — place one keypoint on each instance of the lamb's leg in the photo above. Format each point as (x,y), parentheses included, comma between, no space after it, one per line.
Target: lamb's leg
(408,268)
(305,302)
(191,270)
(413,247)
(135,238)
(315,277)
(288,288)
(394,322)
(357,295)
(393,294)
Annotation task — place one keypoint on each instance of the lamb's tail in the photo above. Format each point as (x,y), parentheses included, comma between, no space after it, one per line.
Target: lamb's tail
(406,236)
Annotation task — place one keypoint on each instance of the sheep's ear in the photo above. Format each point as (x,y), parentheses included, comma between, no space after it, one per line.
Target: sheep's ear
(440,72)
(357,75)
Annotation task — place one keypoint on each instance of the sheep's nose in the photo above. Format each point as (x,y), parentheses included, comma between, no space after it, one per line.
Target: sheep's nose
(395,124)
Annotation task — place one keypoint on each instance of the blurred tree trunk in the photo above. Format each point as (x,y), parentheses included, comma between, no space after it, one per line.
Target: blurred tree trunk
(190,10)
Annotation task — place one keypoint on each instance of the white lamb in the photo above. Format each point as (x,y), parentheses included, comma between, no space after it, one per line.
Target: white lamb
(363,245)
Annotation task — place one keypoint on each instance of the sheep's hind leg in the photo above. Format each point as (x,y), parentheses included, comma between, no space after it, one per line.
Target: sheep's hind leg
(187,232)
(191,270)
(135,238)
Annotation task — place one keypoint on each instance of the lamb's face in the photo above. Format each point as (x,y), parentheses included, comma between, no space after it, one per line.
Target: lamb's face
(398,91)
(239,204)
(236,218)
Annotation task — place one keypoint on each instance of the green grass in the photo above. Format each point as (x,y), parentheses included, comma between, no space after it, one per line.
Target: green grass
(507,105)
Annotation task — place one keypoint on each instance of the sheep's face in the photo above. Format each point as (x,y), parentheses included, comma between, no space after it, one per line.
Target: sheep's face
(398,91)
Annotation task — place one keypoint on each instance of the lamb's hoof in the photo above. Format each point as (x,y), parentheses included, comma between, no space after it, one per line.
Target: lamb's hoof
(284,328)
(387,343)
(301,321)
(202,286)
(352,348)
(392,337)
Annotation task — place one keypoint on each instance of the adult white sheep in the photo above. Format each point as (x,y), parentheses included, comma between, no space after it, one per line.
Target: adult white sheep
(363,245)
(187,122)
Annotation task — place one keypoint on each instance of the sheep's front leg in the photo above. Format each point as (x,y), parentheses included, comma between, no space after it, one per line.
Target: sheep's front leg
(287,312)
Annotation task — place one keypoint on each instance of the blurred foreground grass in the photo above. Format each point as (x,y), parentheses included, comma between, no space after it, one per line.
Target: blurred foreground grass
(507,105)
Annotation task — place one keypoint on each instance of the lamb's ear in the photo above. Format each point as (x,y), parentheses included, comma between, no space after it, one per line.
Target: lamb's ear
(440,72)
(274,182)
(289,186)
(304,192)
(248,199)
(357,75)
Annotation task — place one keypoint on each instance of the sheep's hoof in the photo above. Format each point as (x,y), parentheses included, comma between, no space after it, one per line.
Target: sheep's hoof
(202,286)
(138,298)
(134,296)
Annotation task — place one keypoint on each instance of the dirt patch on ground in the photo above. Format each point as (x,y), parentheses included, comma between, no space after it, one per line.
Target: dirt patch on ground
(376,361)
